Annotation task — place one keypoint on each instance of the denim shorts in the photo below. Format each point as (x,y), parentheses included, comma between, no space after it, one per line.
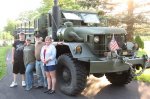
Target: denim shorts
(49,68)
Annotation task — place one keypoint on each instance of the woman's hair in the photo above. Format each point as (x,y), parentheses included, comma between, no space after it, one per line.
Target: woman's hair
(48,38)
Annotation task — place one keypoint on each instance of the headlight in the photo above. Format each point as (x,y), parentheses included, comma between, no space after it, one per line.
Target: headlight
(78,49)
(96,39)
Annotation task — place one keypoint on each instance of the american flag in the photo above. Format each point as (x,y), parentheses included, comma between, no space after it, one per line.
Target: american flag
(113,45)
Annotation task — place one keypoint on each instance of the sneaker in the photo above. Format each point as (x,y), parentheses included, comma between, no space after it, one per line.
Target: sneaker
(13,84)
(23,83)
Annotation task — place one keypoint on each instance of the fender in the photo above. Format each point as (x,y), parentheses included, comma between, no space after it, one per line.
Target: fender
(85,55)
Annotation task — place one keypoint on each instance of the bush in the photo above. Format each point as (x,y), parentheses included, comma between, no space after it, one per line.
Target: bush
(139,41)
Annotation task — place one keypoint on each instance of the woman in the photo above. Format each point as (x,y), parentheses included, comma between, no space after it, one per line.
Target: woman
(29,61)
(48,57)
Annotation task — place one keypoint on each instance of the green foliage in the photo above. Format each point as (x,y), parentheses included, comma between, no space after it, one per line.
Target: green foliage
(10,26)
(46,6)
(6,36)
(141,52)
(64,4)
(87,4)
(101,13)
(139,41)
(3,52)
(69,5)
(145,77)
(28,16)
(96,4)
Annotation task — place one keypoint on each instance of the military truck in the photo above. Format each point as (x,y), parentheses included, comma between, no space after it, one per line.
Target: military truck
(86,49)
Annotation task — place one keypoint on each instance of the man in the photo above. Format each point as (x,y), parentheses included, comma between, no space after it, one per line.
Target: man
(42,82)
(17,60)
(29,61)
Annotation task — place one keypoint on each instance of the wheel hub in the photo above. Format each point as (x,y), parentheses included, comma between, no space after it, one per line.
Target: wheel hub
(66,75)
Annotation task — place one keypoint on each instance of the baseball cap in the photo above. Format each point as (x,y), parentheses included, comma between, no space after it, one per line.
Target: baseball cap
(21,33)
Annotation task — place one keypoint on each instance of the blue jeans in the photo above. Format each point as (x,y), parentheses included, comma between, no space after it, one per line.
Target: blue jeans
(42,81)
(29,74)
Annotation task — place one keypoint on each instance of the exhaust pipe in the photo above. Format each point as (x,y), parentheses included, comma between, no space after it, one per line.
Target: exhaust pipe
(55,19)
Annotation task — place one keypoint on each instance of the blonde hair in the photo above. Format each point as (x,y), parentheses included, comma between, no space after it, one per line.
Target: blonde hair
(48,38)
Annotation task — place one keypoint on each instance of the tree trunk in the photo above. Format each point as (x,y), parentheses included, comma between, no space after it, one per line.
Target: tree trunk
(130,20)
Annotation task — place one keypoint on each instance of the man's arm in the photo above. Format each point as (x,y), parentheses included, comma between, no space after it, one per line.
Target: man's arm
(13,53)
(58,43)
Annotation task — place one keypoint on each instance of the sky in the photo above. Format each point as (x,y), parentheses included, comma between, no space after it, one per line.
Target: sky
(10,9)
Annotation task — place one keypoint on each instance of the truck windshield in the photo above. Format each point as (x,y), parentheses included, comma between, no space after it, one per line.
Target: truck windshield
(71,16)
(83,16)
(90,18)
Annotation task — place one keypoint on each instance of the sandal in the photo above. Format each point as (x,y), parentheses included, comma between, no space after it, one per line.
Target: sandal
(51,92)
(47,91)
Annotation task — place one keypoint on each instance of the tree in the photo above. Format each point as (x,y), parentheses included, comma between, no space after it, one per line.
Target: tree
(130,20)
(96,4)
(27,16)
(6,36)
(102,7)
(10,26)
(64,4)
(46,6)
(69,4)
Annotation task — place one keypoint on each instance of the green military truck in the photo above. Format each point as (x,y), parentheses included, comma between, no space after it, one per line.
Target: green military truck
(89,49)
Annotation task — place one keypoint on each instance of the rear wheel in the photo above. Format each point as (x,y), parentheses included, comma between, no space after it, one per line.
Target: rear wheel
(71,75)
(120,78)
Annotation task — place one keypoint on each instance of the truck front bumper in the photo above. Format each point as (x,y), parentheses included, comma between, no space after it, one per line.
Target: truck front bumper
(115,65)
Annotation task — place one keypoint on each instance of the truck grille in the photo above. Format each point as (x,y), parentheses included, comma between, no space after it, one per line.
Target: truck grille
(102,46)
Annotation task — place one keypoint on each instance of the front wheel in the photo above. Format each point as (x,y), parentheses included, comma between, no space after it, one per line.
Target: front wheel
(71,75)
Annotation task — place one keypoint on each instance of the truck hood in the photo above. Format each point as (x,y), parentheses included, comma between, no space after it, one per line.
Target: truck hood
(99,30)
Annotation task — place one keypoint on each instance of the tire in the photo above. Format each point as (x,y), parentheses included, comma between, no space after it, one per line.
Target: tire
(71,75)
(98,75)
(121,78)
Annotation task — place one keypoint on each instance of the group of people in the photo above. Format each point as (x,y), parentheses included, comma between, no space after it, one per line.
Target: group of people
(42,57)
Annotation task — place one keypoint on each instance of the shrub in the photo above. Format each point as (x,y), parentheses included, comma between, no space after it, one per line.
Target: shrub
(139,41)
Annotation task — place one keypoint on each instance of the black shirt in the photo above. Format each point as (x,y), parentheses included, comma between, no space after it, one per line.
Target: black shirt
(18,54)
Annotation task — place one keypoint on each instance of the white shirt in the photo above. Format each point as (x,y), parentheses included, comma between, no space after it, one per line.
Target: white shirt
(50,54)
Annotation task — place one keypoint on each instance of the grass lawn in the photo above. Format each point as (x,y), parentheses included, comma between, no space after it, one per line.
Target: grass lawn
(3,52)
(145,77)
